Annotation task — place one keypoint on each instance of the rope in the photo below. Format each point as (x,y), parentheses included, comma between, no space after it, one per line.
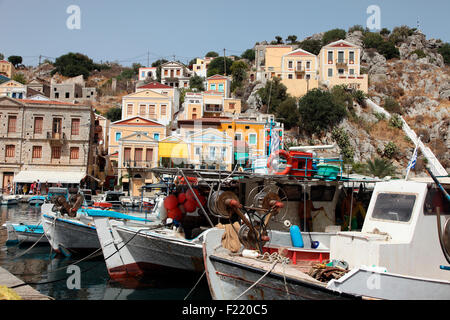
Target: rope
(198,281)
(259,280)
(30,247)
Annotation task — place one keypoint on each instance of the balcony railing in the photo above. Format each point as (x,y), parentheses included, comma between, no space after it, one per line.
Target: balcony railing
(56,138)
(137,164)
(213,109)
(342,61)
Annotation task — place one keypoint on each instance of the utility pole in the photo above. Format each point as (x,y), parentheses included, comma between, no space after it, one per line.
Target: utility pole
(224,63)
(148,59)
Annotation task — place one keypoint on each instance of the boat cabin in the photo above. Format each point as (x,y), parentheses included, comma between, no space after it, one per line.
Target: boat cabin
(399,232)
(57,191)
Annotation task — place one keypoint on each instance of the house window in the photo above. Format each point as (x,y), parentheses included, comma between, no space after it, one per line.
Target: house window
(75,127)
(67,95)
(341,71)
(56,152)
(330,57)
(224,152)
(197,151)
(340,56)
(57,127)
(308,64)
(118,136)
(213,86)
(308,76)
(163,109)
(127,154)
(299,76)
(351,71)
(212,152)
(290,64)
(143,74)
(194,109)
(330,72)
(129,109)
(166,72)
(74,153)
(220,87)
(231,105)
(156,136)
(351,57)
(289,76)
(12,120)
(194,116)
(252,138)
(56,95)
(149,155)
(178,72)
(37,152)
(142,108)
(152,110)
(238,136)
(10,151)
(138,154)
(38,121)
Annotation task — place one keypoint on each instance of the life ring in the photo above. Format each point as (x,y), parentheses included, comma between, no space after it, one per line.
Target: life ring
(288,158)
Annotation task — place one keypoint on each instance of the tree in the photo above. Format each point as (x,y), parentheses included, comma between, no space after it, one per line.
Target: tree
(73,64)
(445,52)
(292,39)
(356,27)
(196,82)
(15,60)
(333,35)
(287,112)
(216,66)
(311,45)
(136,67)
(399,34)
(212,54)
(385,32)
(158,64)
(2,56)
(380,168)
(19,77)
(372,40)
(279,40)
(114,114)
(238,73)
(319,111)
(273,94)
(248,54)
(388,50)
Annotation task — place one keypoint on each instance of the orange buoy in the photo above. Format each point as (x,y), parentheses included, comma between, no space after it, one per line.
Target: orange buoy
(170,202)
(175,214)
(190,205)
(181,197)
(190,195)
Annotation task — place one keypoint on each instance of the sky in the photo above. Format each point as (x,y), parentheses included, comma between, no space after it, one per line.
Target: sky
(144,31)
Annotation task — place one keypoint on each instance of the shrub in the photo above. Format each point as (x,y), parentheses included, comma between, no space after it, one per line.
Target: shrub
(360,97)
(333,35)
(372,40)
(390,150)
(380,168)
(396,122)
(420,53)
(380,116)
(388,50)
(445,52)
(343,141)
(392,106)
(312,46)
(356,27)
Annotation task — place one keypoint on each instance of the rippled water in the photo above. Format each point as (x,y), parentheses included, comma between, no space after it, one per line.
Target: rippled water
(40,265)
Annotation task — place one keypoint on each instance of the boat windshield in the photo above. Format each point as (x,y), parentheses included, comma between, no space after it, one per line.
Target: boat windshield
(394,206)
(113,196)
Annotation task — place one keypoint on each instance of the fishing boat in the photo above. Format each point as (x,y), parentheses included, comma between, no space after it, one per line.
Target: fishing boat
(24,233)
(396,255)
(69,227)
(10,200)
(37,200)
(111,199)
(87,194)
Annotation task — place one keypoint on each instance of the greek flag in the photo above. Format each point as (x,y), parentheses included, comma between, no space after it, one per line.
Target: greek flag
(412,162)
(275,142)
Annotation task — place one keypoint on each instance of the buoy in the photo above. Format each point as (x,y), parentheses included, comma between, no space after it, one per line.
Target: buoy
(190,195)
(175,214)
(202,199)
(247,253)
(296,236)
(170,202)
(181,197)
(190,205)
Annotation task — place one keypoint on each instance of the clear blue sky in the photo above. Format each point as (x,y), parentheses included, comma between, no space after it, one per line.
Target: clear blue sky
(124,31)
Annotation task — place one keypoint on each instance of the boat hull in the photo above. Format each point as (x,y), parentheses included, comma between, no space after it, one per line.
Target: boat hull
(69,235)
(27,234)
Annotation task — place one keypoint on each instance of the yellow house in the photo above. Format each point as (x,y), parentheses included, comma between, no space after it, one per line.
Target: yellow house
(173,152)
(340,64)
(6,68)
(299,72)
(137,153)
(220,84)
(271,66)
(192,107)
(150,104)
(127,127)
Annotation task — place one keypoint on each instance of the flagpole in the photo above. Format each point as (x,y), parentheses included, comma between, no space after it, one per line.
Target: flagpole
(412,159)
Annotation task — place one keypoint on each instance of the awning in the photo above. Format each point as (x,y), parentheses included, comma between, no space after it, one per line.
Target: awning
(172,150)
(31,176)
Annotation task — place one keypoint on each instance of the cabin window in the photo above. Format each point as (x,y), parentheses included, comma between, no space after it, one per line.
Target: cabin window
(322,193)
(435,199)
(394,206)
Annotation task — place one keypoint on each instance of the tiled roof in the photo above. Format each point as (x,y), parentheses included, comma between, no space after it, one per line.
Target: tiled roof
(155,85)
(47,102)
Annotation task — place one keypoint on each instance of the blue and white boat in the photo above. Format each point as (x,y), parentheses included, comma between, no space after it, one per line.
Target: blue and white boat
(10,199)
(24,233)
(36,200)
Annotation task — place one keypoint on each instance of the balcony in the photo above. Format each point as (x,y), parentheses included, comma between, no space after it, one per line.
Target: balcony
(213,108)
(341,62)
(300,69)
(137,164)
(56,139)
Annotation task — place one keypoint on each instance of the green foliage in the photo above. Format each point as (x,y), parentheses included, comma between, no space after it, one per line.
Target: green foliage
(388,50)
(380,116)
(19,77)
(15,60)
(399,34)
(273,94)
(212,54)
(248,54)
(136,67)
(319,111)
(356,27)
(196,82)
(380,168)
(360,97)
(445,52)
(158,64)
(341,137)
(420,53)
(238,73)
(333,35)
(312,46)
(392,106)
(287,112)
(292,39)
(396,122)
(73,64)
(385,32)
(216,66)
(2,56)
(114,114)
(126,74)
(279,40)
(372,40)
(390,150)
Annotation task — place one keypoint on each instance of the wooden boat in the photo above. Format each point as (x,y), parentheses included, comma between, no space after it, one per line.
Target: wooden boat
(24,233)
(400,222)
(111,199)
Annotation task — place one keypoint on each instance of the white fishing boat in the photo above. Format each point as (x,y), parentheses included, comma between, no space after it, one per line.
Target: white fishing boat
(70,228)
(24,233)
(8,200)
(396,255)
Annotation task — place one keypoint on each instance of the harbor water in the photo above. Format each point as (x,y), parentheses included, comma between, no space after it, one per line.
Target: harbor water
(48,273)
